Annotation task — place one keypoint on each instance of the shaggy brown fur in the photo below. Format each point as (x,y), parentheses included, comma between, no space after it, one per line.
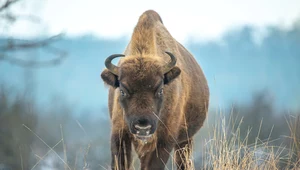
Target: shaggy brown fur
(176,116)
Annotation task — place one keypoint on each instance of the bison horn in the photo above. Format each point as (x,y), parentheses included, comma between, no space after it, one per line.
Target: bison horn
(111,67)
(171,64)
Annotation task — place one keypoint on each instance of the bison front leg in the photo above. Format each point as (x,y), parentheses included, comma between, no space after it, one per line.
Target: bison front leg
(120,151)
(157,159)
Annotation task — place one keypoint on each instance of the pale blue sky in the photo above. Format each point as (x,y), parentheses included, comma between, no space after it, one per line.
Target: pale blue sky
(188,19)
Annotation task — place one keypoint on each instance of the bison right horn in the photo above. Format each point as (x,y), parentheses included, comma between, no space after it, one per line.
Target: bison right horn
(111,67)
(171,64)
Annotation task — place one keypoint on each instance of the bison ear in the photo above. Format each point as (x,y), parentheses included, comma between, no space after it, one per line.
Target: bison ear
(109,78)
(172,74)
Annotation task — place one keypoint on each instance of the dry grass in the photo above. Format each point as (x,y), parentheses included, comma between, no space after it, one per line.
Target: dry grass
(226,150)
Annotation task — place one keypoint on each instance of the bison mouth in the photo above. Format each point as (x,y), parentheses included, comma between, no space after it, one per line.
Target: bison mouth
(143,138)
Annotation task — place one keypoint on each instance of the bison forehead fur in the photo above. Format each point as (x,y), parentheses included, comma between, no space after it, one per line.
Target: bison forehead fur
(158,98)
(140,70)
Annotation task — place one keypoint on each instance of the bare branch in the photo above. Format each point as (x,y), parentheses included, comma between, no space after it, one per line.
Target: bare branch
(32,64)
(16,45)
(12,45)
(10,17)
(13,17)
(7,4)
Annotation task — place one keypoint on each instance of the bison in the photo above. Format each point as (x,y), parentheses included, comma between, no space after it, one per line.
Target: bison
(158,98)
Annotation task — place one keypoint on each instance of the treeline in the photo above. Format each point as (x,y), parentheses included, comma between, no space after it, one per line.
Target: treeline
(246,59)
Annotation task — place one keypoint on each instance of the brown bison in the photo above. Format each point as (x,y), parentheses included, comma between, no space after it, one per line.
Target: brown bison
(158,98)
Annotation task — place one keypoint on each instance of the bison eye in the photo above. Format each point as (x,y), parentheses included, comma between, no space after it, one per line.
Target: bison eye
(123,94)
(160,92)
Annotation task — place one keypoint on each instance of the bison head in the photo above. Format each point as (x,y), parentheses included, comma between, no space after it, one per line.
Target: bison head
(141,82)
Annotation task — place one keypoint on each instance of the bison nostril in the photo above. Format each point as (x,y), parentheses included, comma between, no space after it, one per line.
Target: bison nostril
(142,122)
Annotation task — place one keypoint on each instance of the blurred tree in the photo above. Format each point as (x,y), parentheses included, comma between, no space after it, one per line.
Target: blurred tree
(15,141)
(260,119)
(18,109)
(10,46)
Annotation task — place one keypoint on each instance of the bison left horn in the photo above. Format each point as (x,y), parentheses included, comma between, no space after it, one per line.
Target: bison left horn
(171,64)
(111,67)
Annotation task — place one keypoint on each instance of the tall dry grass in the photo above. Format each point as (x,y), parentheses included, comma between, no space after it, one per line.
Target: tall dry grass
(226,150)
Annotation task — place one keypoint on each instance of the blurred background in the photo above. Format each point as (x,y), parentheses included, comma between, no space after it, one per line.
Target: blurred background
(53,104)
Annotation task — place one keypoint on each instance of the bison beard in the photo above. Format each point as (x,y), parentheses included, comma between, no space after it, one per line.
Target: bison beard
(158,98)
